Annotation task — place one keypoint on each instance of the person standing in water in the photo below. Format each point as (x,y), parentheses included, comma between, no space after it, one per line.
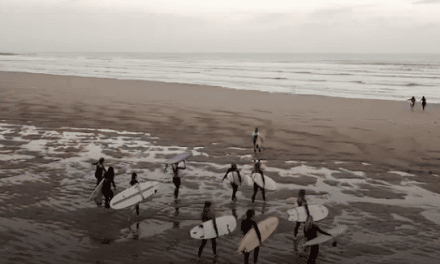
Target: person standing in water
(257,138)
(107,186)
(246,225)
(233,168)
(301,201)
(100,170)
(310,232)
(208,214)
(423,101)
(133,182)
(176,178)
(412,101)
(257,169)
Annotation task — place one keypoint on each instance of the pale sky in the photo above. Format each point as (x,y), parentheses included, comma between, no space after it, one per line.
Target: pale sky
(359,26)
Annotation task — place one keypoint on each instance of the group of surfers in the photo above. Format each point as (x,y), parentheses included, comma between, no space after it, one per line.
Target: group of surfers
(310,228)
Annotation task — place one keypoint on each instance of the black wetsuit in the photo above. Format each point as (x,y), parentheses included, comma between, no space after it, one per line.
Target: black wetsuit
(311,234)
(132,183)
(246,225)
(107,188)
(99,172)
(256,187)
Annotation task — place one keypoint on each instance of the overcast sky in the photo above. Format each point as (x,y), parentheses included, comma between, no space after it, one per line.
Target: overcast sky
(362,26)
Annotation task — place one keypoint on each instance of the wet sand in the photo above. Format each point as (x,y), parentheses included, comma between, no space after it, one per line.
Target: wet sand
(372,163)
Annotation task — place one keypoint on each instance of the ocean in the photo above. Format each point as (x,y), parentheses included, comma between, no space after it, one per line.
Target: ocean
(367,76)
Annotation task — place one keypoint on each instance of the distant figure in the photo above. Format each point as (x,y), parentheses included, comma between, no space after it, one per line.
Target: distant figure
(246,225)
(310,232)
(234,186)
(423,101)
(207,215)
(412,101)
(176,178)
(257,140)
(100,170)
(257,169)
(301,201)
(133,182)
(107,186)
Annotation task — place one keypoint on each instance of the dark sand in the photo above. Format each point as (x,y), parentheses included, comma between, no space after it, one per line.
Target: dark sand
(373,163)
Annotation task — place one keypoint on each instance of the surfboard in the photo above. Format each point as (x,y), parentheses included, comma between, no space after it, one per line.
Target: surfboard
(321,238)
(299,214)
(269,183)
(178,158)
(134,195)
(233,178)
(225,225)
(97,193)
(247,180)
(250,240)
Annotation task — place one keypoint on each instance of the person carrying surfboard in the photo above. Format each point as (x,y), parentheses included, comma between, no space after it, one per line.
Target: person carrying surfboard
(100,170)
(176,178)
(412,101)
(301,201)
(208,214)
(423,101)
(257,138)
(133,182)
(310,232)
(257,169)
(246,225)
(233,168)
(107,186)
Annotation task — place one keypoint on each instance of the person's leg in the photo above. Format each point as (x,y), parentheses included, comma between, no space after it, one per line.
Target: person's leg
(176,181)
(314,250)
(255,192)
(214,246)
(204,241)
(295,231)
(246,257)
(256,250)
(234,190)
(262,192)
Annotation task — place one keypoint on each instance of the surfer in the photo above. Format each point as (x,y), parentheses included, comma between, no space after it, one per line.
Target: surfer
(176,178)
(132,183)
(246,225)
(233,168)
(257,138)
(208,214)
(257,169)
(423,101)
(100,170)
(310,232)
(301,201)
(412,101)
(107,186)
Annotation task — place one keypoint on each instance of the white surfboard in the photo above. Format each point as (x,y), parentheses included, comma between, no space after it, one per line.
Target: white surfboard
(269,183)
(225,225)
(321,238)
(233,178)
(299,214)
(250,240)
(134,195)
(247,180)
(178,158)
(97,193)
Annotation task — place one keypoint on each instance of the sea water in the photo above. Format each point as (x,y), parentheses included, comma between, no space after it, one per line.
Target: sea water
(369,76)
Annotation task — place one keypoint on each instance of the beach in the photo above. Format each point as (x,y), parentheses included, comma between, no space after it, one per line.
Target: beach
(372,163)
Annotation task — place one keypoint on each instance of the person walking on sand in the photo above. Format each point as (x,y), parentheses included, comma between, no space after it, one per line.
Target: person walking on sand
(233,168)
(257,140)
(107,186)
(301,201)
(310,232)
(246,225)
(257,169)
(412,101)
(208,214)
(423,101)
(133,182)
(100,170)
(176,178)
